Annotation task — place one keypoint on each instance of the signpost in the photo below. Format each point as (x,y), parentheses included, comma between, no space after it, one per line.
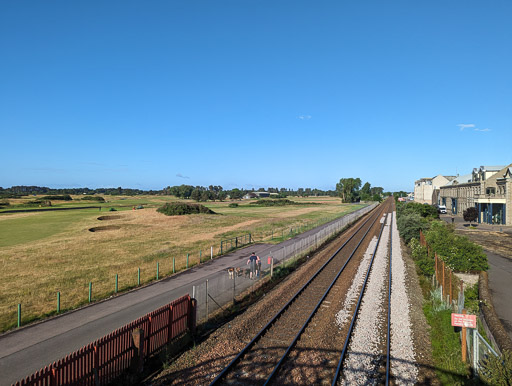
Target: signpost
(465,321)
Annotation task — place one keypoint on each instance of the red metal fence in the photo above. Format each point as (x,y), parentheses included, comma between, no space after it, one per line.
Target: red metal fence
(106,359)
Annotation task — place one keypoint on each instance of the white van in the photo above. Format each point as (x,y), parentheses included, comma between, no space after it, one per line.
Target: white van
(442,209)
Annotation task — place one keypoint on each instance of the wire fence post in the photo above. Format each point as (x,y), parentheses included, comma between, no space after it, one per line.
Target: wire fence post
(199,256)
(211,252)
(464,340)
(173,265)
(187,260)
(234,287)
(19,315)
(207,310)
(138,277)
(90,291)
(157,270)
(58,302)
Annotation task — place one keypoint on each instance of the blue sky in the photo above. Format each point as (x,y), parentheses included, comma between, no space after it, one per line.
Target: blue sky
(252,93)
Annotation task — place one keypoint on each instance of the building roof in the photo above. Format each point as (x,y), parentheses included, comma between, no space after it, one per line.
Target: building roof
(459,180)
(491,168)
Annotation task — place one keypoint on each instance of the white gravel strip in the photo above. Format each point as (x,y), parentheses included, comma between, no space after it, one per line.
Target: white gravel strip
(343,315)
(403,364)
(362,359)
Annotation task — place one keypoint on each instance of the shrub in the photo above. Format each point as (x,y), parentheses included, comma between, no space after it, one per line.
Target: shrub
(458,252)
(418,251)
(112,210)
(65,197)
(424,210)
(4,203)
(93,198)
(39,203)
(497,370)
(470,214)
(409,226)
(426,265)
(181,208)
(233,205)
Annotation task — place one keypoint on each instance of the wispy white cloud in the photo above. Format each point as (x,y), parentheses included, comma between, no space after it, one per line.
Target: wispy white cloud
(482,130)
(463,126)
(181,176)
(304,117)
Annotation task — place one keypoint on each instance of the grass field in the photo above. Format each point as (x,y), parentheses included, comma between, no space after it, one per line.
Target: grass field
(42,253)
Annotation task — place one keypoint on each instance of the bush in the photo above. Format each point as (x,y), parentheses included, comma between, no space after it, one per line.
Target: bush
(418,251)
(426,265)
(409,226)
(279,202)
(65,197)
(112,210)
(457,252)
(181,208)
(39,203)
(93,198)
(497,370)
(233,205)
(424,210)
(470,214)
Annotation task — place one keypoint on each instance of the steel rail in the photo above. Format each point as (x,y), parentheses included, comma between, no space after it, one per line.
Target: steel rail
(292,345)
(354,317)
(388,341)
(225,371)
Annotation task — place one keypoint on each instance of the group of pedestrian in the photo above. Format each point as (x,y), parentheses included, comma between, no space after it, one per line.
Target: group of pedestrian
(255,265)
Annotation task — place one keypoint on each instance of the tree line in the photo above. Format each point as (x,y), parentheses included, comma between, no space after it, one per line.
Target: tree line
(350,190)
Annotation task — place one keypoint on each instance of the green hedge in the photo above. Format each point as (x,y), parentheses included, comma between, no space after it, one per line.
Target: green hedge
(458,252)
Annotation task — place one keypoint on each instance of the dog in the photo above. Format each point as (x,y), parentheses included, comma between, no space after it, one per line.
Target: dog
(231,272)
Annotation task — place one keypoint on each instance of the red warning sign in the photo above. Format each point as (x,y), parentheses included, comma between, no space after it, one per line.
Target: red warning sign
(463,320)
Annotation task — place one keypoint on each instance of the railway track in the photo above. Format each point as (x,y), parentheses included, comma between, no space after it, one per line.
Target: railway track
(280,349)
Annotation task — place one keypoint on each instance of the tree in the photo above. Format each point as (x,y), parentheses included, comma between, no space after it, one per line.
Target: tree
(221,195)
(196,194)
(204,196)
(348,189)
(470,214)
(236,194)
(365,192)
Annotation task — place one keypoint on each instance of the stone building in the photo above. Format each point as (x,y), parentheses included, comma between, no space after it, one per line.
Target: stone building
(487,188)
(426,189)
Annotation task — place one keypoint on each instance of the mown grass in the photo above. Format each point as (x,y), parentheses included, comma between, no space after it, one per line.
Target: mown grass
(45,252)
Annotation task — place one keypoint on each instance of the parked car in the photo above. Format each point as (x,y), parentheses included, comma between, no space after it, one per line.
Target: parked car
(441,209)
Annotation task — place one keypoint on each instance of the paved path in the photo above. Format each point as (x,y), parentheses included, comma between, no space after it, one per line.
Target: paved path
(28,349)
(500,277)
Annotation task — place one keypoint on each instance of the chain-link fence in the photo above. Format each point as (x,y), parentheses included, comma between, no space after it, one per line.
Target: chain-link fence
(478,349)
(221,288)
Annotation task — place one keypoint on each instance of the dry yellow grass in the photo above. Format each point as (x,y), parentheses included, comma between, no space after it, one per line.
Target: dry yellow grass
(33,272)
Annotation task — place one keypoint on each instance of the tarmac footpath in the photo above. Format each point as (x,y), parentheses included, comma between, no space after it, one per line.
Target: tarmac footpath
(28,349)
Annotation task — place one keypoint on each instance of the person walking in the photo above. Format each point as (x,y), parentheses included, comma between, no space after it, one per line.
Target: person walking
(253,259)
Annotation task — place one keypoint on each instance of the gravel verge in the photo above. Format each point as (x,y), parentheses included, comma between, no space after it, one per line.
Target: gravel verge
(363,359)
(403,363)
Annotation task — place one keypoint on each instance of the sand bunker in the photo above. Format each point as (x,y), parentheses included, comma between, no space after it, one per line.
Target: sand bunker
(105,228)
(101,218)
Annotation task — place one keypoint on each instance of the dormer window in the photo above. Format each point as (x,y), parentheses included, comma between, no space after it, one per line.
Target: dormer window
(490,191)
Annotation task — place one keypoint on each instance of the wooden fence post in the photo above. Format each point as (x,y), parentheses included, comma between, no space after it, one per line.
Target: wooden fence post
(192,315)
(137,364)
(450,293)
(442,267)
(169,325)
